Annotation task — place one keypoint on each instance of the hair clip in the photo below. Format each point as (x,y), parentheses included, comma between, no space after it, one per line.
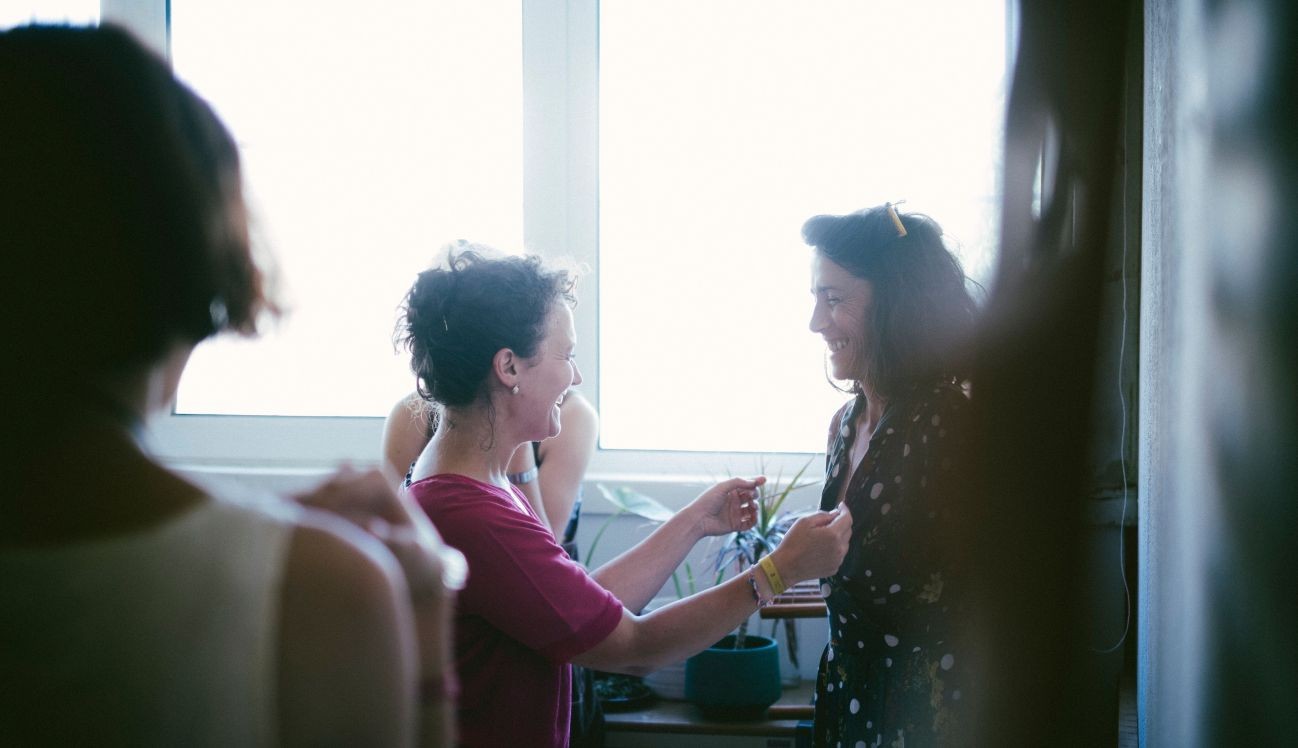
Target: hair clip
(445,327)
(896,220)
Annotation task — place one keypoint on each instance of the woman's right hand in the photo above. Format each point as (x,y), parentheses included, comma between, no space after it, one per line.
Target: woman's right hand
(814,547)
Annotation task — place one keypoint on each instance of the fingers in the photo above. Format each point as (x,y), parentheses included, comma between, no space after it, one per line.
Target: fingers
(350,492)
(732,484)
(844,516)
(818,519)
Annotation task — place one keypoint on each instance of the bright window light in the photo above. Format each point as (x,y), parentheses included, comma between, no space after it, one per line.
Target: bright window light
(724,125)
(21,12)
(372,134)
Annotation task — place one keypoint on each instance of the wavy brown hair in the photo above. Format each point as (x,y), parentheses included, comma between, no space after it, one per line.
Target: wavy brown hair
(923,313)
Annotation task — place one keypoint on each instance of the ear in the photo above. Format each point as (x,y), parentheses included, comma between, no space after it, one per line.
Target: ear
(505,365)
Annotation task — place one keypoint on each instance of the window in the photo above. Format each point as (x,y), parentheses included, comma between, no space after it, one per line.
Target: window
(723,126)
(371,136)
(676,147)
(18,12)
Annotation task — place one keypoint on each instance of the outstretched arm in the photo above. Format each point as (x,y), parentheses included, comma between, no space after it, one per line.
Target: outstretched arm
(637,575)
(814,547)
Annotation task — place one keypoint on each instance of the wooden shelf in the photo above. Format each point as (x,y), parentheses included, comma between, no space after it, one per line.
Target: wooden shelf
(802,600)
(681,717)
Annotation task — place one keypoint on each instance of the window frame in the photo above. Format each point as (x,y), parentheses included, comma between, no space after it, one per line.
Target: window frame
(560,217)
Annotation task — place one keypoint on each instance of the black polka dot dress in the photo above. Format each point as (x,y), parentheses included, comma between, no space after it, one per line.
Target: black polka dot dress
(892,673)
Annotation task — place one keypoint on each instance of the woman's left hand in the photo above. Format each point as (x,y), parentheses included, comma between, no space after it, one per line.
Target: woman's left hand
(729,506)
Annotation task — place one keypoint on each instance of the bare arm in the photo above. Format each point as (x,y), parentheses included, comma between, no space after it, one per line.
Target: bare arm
(405,434)
(429,573)
(814,547)
(637,574)
(346,643)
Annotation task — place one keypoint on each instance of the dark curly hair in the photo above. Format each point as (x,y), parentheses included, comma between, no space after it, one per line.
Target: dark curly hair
(455,318)
(122,222)
(923,312)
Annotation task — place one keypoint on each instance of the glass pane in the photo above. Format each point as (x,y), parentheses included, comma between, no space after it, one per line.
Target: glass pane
(712,156)
(372,134)
(22,12)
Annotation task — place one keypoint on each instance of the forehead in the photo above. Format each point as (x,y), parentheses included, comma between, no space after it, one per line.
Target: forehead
(559,325)
(829,275)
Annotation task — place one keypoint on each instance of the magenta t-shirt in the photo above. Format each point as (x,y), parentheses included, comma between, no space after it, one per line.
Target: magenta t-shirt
(526,610)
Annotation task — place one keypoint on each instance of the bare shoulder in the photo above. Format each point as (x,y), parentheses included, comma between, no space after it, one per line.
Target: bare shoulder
(405,433)
(579,414)
(325,545)
(346,639)
(576,440)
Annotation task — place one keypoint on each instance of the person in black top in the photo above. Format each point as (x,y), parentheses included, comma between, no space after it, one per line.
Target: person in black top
(892,305)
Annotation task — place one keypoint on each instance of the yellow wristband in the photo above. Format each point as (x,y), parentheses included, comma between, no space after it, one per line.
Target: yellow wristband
(772,575)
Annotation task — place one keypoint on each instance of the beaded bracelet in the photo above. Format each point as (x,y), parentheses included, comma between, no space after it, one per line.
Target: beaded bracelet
(518,479)
(772,575)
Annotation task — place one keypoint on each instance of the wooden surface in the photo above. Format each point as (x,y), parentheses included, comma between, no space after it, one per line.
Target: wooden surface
(802,600)
(683,717)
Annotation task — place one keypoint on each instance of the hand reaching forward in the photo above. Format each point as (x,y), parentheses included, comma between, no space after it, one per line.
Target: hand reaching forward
(729,506)
(814,547)
(367,500)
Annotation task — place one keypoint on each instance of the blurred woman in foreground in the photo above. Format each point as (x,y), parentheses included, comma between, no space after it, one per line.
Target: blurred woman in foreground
(137,609)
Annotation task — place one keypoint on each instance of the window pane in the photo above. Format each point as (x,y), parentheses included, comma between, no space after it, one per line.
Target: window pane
(372,134)
(19,12)
(723,126)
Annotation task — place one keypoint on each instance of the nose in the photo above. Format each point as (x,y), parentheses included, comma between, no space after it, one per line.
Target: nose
(576,374)
(817,322)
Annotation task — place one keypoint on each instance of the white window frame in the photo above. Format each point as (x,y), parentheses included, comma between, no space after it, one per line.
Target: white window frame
(560,217)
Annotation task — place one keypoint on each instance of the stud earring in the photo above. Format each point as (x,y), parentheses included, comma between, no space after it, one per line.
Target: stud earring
(515,390)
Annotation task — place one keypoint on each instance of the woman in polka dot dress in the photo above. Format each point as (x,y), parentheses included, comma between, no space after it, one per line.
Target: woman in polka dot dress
(892,304)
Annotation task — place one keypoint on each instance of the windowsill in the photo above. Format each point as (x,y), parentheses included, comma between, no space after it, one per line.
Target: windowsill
(673,490)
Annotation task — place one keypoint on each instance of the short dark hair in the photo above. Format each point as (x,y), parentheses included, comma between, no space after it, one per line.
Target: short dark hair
(923,312)
(122,220)
(455,318)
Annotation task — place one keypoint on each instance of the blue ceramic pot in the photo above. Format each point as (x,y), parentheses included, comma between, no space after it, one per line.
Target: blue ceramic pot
(729,683)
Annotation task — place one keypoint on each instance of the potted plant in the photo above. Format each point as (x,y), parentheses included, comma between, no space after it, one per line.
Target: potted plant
(623,691)
(739,676)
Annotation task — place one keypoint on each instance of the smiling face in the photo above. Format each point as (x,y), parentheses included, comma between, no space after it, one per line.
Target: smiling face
(549,374)
(841,316)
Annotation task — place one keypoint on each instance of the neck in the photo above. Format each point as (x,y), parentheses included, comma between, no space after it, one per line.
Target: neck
(467,443)
(874,407)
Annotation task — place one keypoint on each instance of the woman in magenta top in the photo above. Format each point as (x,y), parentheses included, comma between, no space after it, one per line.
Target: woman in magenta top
(491,343)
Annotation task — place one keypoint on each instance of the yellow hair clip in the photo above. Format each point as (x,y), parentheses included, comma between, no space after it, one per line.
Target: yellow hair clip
(896,220)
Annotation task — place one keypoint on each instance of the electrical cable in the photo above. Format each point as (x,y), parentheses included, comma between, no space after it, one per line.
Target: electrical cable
(1122,439)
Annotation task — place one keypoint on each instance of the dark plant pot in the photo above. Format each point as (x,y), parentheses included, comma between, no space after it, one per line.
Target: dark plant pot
(729,683)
